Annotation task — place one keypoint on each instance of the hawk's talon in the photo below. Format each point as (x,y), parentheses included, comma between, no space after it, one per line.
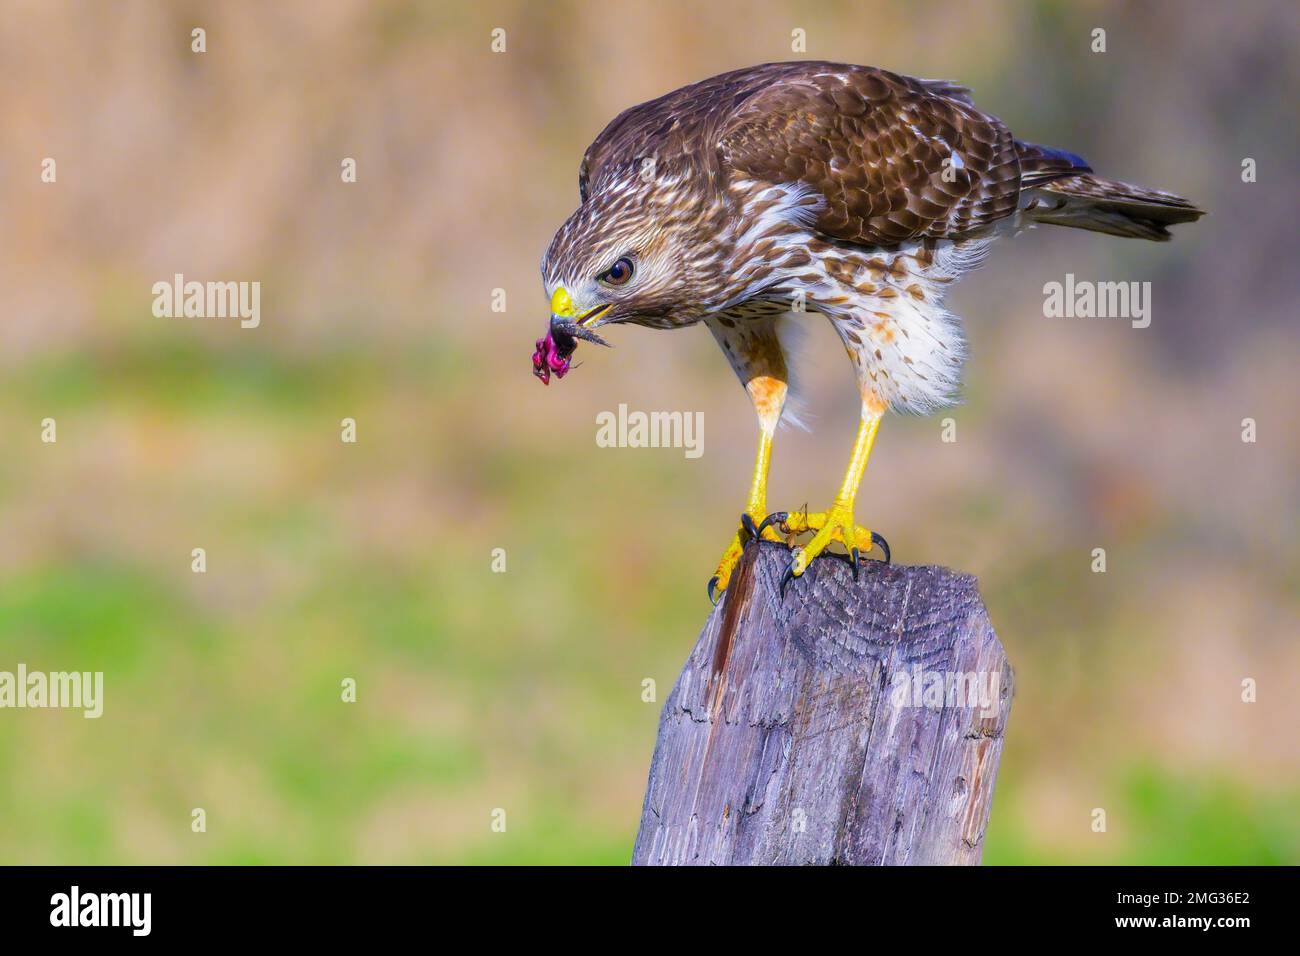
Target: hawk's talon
(787,578)
(884,545)
(853,562)
(775,518)
(713,583)
(835,525)
(748,530)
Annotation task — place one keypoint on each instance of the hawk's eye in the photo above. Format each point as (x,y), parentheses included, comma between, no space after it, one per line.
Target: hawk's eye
(618,273)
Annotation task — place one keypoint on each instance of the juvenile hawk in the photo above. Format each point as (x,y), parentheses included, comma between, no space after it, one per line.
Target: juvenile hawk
(845,190)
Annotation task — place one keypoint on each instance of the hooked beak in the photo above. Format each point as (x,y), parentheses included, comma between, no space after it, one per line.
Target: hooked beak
(562,311)
(554,351)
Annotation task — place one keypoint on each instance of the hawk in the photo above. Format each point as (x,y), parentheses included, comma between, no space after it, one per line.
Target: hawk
(848,191)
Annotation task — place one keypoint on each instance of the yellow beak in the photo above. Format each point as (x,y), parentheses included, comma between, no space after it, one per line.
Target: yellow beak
(562,308)
(561,304)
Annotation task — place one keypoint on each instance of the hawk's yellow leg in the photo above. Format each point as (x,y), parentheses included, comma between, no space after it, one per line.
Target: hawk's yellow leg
(755,510)
(837,524)
(761,365)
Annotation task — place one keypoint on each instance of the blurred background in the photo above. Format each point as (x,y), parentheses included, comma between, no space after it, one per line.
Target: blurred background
(523,690)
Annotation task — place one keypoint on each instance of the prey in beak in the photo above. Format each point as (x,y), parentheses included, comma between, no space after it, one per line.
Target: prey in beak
(554,351)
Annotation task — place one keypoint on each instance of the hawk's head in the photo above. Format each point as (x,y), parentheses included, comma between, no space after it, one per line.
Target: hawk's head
(635,252)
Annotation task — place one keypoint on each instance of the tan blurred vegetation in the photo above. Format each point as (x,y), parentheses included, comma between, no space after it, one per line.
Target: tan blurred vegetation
(522,690)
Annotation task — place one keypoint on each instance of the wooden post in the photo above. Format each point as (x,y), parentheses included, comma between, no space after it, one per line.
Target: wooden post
(848,723)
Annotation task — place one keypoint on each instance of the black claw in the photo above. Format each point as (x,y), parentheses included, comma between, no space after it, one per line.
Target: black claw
(713,583)
(853,562)
(787,578)
(776,517)
(884,545)
(747,523)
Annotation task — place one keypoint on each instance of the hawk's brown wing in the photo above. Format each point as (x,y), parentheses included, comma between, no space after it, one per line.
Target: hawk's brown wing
(873,144)
(677,128)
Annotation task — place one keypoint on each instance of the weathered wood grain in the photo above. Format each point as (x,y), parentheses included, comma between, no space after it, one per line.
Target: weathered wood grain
(801,732)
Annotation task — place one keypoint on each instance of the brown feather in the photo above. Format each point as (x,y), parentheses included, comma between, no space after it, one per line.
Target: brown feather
(1114,208)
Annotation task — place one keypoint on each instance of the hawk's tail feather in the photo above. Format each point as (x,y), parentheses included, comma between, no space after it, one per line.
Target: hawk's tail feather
(1105,205)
